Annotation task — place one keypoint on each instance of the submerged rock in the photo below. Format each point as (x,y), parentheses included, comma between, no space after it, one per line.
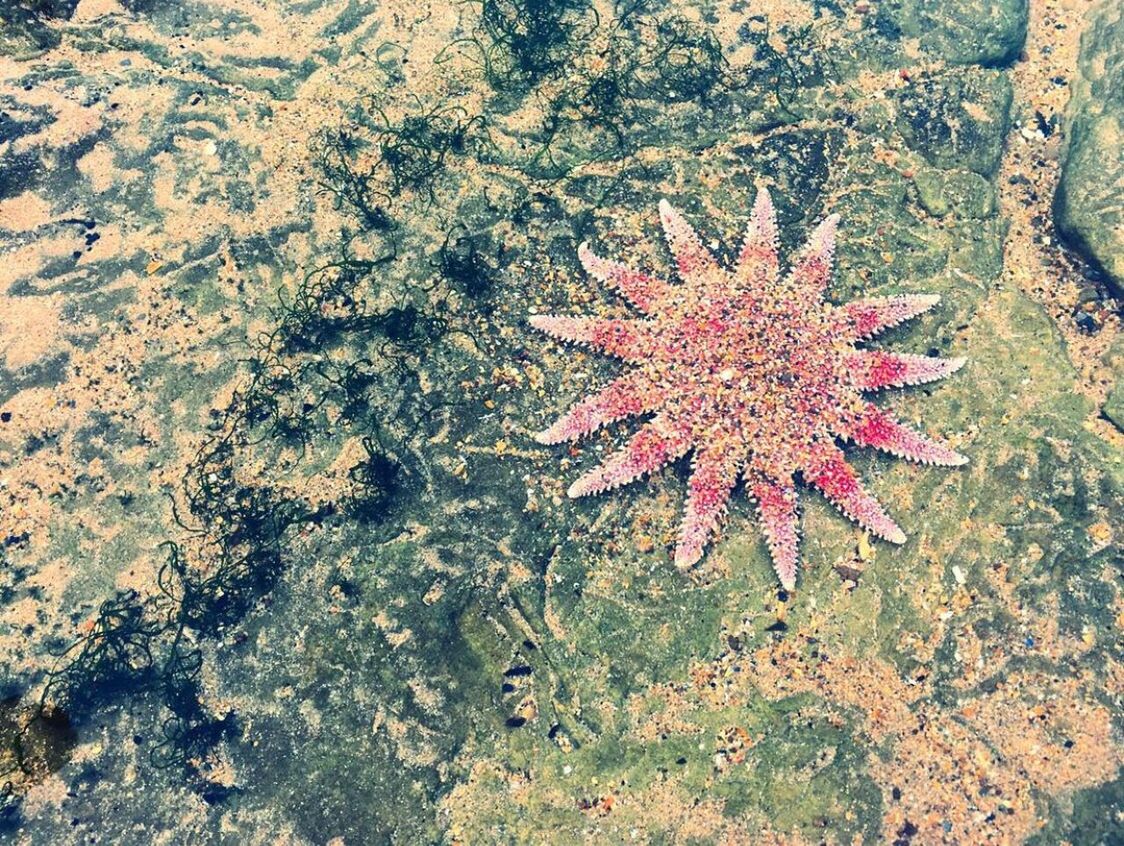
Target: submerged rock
(1114,406)
(957,192)
(1087,206)
(957,120)
(965,32)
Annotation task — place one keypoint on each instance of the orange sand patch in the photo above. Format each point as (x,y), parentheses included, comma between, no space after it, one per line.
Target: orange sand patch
(24,212)
(29,329)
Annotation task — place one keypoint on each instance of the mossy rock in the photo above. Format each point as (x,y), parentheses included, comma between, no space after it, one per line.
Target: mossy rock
(1113,407)
(961,193)
(964,32)
(1087,205)
(957,120)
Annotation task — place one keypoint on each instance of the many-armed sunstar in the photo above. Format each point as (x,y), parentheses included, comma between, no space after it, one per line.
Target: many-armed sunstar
(756,375)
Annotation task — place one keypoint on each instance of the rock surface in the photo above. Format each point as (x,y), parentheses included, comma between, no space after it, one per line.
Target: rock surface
(1087,206)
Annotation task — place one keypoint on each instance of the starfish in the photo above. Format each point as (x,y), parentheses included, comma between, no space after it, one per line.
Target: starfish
(756,375)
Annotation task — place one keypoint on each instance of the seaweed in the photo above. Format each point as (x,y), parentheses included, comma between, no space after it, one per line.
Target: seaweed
(804,63)
(522,42)
(368,165)
(646,62)
(136,645)
(115,654)
(329,348)
(330,354)
(688,61)
(143,644)
(350,188)
(377,479)
(603,97)
(414,151)
(461,261)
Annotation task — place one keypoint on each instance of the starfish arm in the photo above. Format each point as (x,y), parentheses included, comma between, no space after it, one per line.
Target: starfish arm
(812,272)
(865,318)
(875,369)
(836,479)
(776,508)
(757,259)
(627,339)
(713,476)
(643,291)
(631,394)
(691,257)
(878,429)
(653,446)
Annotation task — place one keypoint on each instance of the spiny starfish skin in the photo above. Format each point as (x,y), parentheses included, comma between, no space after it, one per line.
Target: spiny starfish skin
(756,375)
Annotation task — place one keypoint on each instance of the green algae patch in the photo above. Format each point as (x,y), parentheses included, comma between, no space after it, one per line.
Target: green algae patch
(760,766)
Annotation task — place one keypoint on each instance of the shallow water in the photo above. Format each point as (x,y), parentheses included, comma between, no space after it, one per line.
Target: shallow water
(283,561)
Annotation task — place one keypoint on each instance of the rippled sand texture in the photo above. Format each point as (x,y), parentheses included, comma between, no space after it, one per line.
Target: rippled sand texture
(281,560)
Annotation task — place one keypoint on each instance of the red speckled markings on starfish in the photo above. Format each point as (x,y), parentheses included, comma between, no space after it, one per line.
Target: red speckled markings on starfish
(755,375)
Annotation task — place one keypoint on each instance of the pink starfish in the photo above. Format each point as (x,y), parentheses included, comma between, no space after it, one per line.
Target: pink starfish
(756,375)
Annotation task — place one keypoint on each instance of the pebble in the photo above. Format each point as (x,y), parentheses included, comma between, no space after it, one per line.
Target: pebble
(1086,322)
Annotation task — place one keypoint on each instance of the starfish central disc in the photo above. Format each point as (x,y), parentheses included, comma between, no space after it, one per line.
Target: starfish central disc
(753,373)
